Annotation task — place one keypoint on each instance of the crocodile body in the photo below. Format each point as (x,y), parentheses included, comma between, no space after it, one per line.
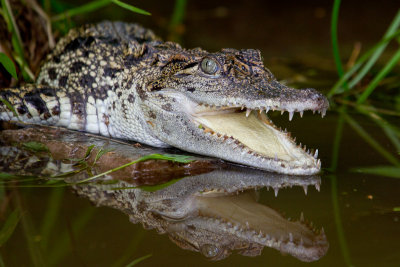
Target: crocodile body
(120,80)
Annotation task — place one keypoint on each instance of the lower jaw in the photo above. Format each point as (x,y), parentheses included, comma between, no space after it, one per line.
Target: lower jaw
(258,143)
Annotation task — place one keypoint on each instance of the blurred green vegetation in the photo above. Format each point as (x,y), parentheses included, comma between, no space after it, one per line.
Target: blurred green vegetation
(351,91)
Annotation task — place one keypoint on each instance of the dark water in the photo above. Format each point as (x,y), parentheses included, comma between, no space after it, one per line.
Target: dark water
(355,210)
(359,212)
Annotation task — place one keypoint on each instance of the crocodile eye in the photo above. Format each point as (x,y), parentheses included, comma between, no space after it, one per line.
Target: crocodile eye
(209,66)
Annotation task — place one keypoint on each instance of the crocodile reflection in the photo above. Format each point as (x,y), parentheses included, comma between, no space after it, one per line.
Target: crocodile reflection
(212,211)
(216,213)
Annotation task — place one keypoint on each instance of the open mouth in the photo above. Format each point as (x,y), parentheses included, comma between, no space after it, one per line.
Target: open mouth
(255,134)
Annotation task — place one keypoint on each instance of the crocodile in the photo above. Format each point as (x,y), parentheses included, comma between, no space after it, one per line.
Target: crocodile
(122,81)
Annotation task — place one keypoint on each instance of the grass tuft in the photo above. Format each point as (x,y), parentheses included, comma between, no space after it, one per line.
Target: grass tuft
(8,64)
(9,226)
(387,171)
(134,262)
(93,6)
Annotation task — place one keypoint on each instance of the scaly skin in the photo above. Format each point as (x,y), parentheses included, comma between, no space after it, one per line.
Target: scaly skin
(120,80)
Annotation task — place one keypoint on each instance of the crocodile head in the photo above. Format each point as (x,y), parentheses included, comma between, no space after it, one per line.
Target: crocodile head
(216,104)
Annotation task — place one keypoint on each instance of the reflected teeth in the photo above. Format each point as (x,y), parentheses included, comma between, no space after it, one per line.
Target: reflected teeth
(276,190)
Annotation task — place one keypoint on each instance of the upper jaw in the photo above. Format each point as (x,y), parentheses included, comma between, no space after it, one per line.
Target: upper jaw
(294,160)
(286,99)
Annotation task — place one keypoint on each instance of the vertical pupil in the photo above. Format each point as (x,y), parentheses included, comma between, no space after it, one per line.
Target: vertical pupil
(209,66)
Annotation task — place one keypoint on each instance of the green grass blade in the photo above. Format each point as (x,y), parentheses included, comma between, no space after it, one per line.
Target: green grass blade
(335,45)
(359,63)
(8,64)
(133,245)
(179,13)
(391,131)
(131,8)
(388,171)
(133,263)
(2,264)
(35,252)
(338,139)
(338,222)
(89,7)
(62,247)
(51,215)
(7,176)
(35,146)
(153,188)
(392,29)
(386,69)
(9,226)
(10,107)
(169,157)
(16,39)
(386,154)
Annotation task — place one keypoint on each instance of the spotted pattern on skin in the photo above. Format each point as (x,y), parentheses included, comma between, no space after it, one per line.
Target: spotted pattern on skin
(120,80)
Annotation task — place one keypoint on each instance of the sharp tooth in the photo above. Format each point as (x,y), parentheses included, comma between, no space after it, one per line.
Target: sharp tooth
(248,111)
(301,114)
(317,186)
(316,154)
(305,187)
(313,112)
(282,111)
(266,109)
(291,115)
(323,113)
(242,108)
(291,237)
